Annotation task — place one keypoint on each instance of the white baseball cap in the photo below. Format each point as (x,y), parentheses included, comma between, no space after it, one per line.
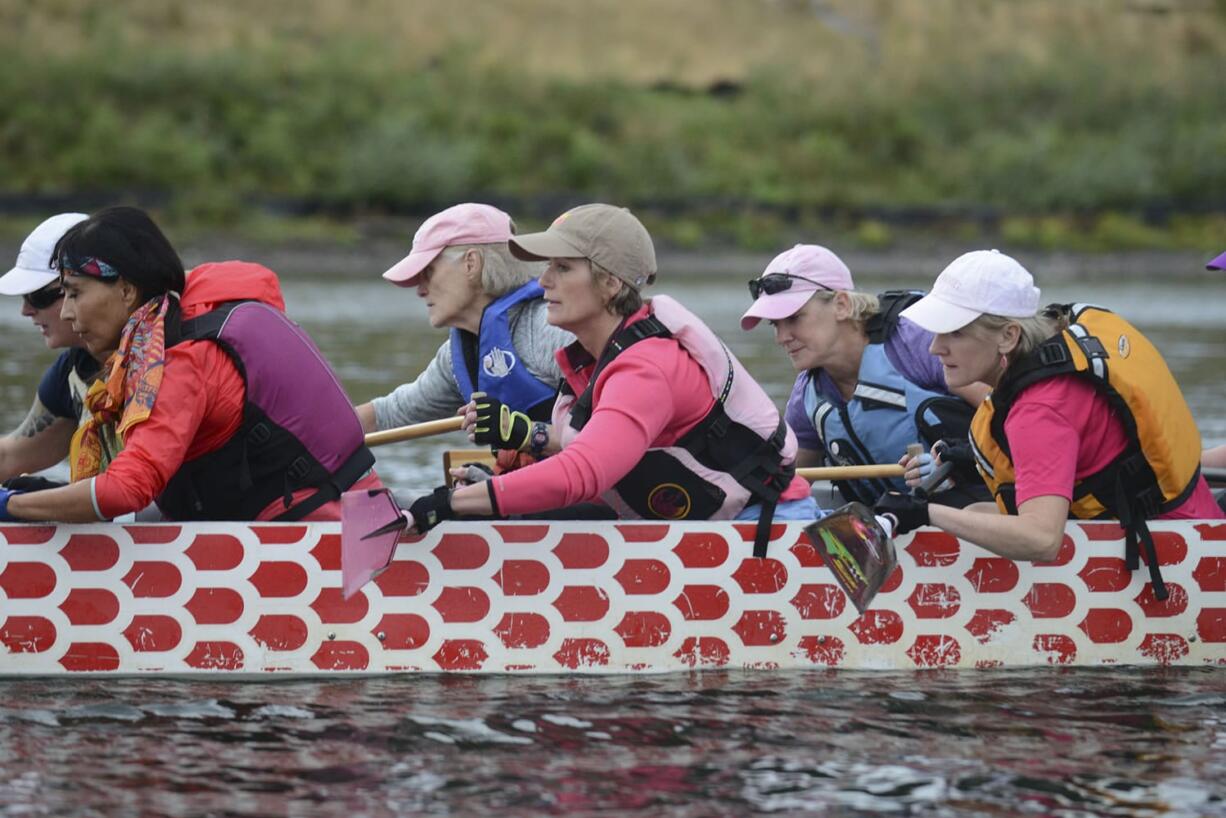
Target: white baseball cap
(982,282)
(34,269)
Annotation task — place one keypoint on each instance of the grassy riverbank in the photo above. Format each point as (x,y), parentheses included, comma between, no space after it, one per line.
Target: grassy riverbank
(1093,125)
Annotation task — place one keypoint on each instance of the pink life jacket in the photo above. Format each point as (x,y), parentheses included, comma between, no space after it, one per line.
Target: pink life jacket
(740,453)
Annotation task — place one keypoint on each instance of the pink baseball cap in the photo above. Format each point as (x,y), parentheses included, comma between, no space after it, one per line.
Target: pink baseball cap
(810,268)
(466,223)
(1218,263)
(982,282)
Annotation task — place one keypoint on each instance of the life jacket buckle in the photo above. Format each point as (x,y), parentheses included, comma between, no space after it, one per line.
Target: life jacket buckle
(259,434)
(299,469)
(1053,354)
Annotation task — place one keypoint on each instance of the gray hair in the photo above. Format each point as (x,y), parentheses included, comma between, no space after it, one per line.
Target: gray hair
(501,272)
(1034,330)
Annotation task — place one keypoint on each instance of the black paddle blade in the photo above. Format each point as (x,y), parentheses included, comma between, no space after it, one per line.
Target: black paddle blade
(857,549)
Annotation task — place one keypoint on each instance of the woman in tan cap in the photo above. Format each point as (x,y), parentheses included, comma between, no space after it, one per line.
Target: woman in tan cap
(655,416)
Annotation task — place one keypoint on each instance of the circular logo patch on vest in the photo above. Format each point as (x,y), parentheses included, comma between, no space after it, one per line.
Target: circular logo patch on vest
(668,501)
(498,363)
(1123,346)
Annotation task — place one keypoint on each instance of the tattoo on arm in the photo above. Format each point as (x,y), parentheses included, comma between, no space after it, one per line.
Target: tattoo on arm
(37,422)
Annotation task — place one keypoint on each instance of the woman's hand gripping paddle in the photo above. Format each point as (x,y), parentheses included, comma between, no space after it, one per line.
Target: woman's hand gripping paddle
(371,525)
(858,546)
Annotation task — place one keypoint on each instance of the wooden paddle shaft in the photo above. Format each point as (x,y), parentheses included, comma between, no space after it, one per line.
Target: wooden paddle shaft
(414,431)
(851,472)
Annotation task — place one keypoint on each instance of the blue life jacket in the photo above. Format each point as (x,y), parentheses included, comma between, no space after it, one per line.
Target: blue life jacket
(494,361)
(884,415)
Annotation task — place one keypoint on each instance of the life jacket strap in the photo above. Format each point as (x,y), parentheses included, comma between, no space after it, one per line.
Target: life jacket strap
(350,472)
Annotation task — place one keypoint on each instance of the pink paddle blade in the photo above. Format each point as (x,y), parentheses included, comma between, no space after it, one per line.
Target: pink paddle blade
(371,524)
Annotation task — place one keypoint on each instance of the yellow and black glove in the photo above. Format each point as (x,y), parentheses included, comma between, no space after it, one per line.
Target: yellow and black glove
(500,428)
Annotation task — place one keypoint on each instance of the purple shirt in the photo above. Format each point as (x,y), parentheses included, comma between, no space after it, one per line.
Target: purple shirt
(906,350)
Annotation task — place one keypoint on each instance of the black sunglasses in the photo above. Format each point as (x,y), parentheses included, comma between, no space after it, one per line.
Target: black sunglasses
(41,299)
(773,283)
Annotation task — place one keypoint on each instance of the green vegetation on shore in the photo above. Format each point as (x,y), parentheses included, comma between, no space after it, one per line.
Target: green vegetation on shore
(1093,125)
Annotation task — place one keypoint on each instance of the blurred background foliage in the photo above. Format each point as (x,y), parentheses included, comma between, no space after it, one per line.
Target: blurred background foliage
(1090,124)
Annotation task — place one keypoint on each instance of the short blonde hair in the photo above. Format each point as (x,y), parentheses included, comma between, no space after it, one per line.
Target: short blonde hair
(501,272)
(863,305)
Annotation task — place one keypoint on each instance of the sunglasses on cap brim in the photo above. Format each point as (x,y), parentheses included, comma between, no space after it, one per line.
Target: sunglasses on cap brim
(773,283)
(47,296)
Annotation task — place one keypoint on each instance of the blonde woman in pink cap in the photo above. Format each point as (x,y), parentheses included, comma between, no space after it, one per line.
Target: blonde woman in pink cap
(499,343)
(867,385)
(1085,419)
(655,417)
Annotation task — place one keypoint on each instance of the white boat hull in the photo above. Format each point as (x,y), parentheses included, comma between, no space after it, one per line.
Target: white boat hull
(230,598)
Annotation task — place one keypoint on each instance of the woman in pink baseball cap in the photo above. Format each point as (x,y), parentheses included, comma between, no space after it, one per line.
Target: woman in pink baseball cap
(1085,419)
(867,386)
(500,343)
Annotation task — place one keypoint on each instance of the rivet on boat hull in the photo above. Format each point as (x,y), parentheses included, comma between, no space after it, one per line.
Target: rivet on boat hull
(381,636)
(332,636)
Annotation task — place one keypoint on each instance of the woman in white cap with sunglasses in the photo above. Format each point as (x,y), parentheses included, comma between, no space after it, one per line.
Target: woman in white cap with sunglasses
(43,438)
(1085,419)
(655,416)
(500,344)
(867,386)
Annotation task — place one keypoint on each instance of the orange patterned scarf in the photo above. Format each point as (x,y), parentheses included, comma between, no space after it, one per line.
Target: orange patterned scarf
(124,393)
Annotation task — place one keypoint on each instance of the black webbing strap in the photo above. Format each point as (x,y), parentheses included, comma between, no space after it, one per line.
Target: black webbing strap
(1135,529)
(350,472)
(762,534)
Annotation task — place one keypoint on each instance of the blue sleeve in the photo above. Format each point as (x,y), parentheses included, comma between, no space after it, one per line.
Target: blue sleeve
(802,425)
(53,391)
(907,351)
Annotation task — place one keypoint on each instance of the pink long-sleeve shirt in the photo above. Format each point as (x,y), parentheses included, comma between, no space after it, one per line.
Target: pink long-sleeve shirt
(648,397)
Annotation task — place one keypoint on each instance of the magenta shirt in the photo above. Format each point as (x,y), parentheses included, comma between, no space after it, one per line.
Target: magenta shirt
(1063,429)
(648,397)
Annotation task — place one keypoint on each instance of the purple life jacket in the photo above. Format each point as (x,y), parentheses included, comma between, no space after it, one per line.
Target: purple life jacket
(299,428)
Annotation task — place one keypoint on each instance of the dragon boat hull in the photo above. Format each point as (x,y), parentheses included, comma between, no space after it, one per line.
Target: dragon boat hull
(233,598)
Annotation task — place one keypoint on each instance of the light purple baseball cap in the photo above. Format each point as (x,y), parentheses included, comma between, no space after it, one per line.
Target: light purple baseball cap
(466,223)
(811,268)
(1218,263)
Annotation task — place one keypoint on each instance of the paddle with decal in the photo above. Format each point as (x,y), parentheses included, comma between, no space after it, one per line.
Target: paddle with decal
(858,545)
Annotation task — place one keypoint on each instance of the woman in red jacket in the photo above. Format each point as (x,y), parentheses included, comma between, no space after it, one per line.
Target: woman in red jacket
(211,402)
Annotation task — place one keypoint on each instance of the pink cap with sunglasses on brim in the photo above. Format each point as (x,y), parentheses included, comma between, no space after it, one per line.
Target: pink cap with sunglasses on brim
(466,223)
(34,270)
(810,268)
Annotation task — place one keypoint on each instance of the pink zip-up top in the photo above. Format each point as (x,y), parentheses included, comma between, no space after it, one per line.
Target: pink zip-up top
(649,396)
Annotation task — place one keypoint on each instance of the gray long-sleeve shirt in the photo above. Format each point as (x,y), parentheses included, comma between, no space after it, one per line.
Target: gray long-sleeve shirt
(435,393)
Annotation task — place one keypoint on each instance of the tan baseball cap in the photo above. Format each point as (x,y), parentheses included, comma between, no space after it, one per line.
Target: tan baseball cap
(610,236)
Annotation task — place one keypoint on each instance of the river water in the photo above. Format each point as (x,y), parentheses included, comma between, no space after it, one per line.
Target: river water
(1047,742)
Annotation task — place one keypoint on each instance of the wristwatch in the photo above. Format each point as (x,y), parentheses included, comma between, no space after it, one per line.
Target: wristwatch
(538,439)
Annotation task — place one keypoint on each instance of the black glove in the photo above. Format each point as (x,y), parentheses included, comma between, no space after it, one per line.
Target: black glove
(31,482)
(498,427)
(432,509)
(908,512)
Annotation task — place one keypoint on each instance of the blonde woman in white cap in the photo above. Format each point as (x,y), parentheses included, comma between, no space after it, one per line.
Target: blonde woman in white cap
(43,438)
(1085,419)
(499,342)
(867,387)
(655,416)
